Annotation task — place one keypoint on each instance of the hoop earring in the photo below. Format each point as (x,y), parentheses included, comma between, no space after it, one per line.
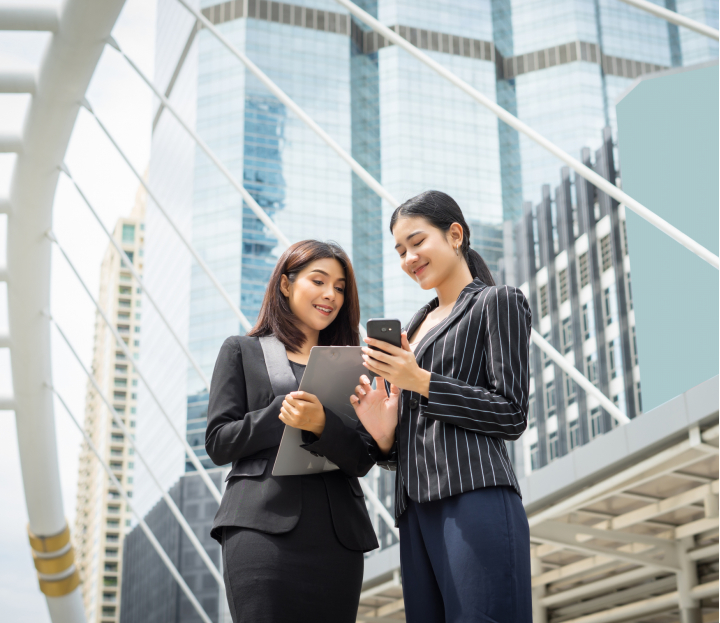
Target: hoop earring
(457,250)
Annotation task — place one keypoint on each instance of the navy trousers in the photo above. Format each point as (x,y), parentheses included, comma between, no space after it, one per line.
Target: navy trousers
(466,559)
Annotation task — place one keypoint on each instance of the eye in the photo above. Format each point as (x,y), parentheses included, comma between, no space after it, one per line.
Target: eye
(317,282)
(419,243)
(341,290)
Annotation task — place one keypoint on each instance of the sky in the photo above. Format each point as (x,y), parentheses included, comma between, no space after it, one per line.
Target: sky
(124,104)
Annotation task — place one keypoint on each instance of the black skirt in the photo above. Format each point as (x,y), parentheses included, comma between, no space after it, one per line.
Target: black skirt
(305,575)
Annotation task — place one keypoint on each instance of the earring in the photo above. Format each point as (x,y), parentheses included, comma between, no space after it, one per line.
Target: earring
(457,250)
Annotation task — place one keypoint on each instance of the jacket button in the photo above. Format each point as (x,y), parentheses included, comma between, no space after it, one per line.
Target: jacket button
(413,403)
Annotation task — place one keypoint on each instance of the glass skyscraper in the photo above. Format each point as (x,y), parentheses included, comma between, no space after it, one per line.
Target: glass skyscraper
(558,64)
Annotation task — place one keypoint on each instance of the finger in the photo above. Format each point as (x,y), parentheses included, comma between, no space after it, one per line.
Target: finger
(370,366)
(386,346)
(364,380)
(304,396)
(360,392)
(377,354)
(354,401)
(394,390)
(405,342)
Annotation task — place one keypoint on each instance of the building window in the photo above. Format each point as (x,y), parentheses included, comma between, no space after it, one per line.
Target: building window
(591,368)
(553,445)
(606,252)
(128,233)
(120,368)
(119,395)
(569,390)
(619,400)
(574,433)
(124,302)
(532,419)
(534,457)
(610,305)
(614,358)
(624,232)
(595,422)
(588,321)
(584,270)
(639,397)
(634,346)
(124,289)
(550,398)
(563,280)
(120,382)
(567,335)
(629,291)
(544,309)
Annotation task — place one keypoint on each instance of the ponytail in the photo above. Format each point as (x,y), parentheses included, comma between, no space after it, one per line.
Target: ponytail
(478,267)
(441,211)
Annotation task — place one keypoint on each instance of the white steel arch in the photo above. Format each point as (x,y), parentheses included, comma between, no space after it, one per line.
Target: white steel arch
(79,29)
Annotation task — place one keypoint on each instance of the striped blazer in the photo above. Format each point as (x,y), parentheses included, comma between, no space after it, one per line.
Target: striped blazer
(452,442)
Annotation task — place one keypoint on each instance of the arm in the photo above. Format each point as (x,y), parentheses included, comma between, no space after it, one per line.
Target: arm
(353,450)
(232,432)
(500,409)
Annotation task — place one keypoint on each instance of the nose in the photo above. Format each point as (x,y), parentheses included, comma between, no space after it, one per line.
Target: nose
(329,293)
(410,258)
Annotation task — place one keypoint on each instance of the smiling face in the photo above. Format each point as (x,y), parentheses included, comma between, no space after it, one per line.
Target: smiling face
(316,295)
(427,254)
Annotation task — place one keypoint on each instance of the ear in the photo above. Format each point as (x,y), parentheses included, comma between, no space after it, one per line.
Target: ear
(285,285)
(455,234)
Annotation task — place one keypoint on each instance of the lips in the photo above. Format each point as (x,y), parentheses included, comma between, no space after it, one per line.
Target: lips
(418,271)
(324,309)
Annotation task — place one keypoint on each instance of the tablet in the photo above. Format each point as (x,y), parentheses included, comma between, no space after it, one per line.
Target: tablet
(332,374)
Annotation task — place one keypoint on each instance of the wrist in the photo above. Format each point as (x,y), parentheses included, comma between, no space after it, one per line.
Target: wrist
(422,385)
(385,444)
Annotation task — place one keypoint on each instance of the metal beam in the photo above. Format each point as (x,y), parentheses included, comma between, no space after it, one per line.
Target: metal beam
(148,533)
(674,18)
(138,279)
(17,81)
(64,73)
(28,15)
(192,537)
(285,99)
(249,199)
(5,207)
(121,343)
(201,263)
(515,123)
(579,378)
(10,143)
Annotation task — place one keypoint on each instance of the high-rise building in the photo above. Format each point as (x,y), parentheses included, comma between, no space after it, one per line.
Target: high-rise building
(102,520)
(573,265)
(558,65)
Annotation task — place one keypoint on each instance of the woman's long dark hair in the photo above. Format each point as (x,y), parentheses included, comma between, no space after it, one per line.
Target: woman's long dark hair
(441,211)
(276,318)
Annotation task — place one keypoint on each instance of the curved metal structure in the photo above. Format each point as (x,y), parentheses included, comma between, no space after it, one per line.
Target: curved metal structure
(80,30)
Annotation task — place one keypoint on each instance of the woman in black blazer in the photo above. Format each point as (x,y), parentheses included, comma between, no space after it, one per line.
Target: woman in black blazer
(292,546)
(459,388)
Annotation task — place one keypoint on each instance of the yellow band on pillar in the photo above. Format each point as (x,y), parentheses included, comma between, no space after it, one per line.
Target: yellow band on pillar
(57,564)
(59,588)
(49,544)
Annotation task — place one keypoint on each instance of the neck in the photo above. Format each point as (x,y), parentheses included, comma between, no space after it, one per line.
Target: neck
(312,337)
(449,290)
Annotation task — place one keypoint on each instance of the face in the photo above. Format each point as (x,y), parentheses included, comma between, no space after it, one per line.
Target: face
(427,254)
(317,294)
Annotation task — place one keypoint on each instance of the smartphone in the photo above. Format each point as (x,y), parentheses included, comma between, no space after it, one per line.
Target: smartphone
(385,329)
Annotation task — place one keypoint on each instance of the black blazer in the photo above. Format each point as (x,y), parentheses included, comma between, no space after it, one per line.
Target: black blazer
(452,442)
(243,428)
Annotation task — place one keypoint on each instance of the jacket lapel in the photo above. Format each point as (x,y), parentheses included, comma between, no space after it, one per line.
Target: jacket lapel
(466,297)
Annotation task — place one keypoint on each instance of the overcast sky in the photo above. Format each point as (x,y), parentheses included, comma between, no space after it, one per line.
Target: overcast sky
(124,104)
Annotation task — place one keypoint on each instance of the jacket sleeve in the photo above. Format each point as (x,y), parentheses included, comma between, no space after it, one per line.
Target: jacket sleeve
(233,432)
(500,409)
(353,450)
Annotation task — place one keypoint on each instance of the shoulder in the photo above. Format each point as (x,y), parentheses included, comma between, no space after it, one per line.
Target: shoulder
(503,297)
(234,346)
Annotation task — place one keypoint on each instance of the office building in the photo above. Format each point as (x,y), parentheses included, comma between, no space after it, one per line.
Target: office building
(150,593)
(573,264)
(102,519)
(558,66)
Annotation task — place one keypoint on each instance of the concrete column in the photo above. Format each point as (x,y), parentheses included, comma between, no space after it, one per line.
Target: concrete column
(539,611)
(687,579)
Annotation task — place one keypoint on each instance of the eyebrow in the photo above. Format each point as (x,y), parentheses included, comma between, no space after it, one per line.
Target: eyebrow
(322,272)
(415,233)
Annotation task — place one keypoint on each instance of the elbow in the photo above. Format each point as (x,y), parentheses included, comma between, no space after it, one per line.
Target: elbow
(213,451)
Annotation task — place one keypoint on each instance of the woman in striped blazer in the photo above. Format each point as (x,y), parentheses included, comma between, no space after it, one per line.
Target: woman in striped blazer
(454,393)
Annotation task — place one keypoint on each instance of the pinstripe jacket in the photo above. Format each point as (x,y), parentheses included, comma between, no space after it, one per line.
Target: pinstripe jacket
(452,441)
